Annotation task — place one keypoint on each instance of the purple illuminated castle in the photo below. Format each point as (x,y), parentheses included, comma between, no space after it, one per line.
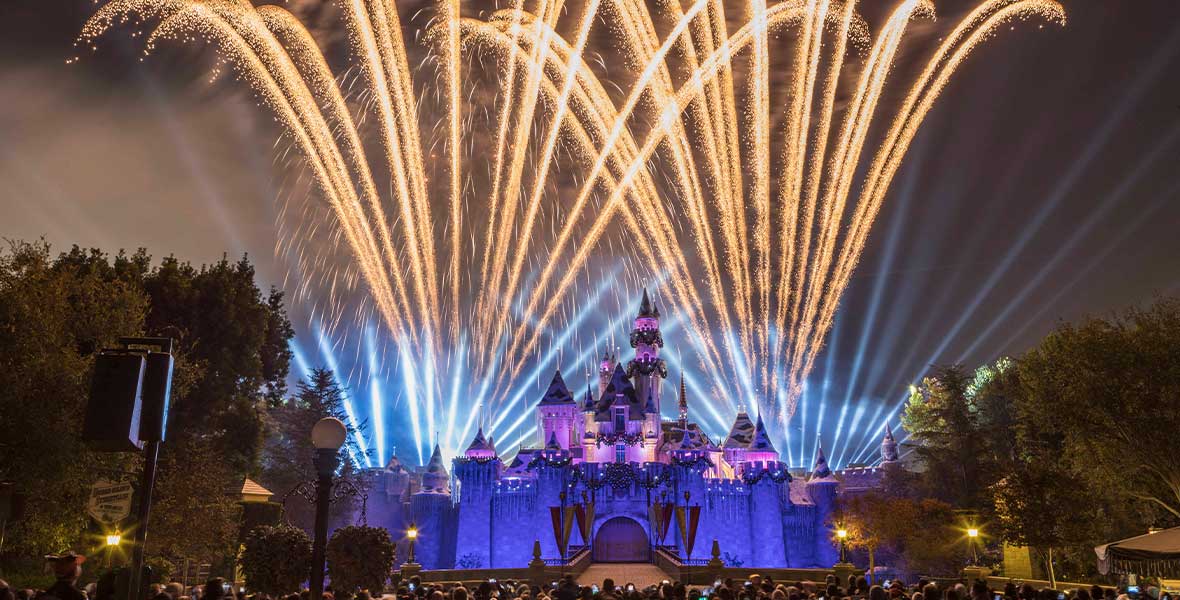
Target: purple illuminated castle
(613,450)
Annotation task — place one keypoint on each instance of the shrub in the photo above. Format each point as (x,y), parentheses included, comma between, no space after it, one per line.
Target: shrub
(276,560)
(360,558)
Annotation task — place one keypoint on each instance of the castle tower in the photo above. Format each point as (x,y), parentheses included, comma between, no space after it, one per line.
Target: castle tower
(477,472)
(558,413)
(589,429)
(822,488)
(647,369)
(888,447)
(431,510)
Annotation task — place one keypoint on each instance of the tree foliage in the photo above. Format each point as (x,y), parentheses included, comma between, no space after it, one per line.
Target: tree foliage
(913,536)
(288,455)
(360,558)
(276,560)
(56,313)
(1109,390)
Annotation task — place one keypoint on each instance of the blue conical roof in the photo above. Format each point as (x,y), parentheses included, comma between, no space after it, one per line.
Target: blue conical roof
(557,393)
(479,443)
(821,470)
(761,440)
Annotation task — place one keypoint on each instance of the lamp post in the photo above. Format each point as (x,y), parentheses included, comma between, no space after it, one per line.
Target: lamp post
(412,535)
(327,436)
(972,534)
(842,535)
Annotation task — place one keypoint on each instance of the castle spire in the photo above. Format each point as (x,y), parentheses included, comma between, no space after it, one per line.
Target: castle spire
(888,447)
(645,307)
(683,404)
(820,470)
(761,440)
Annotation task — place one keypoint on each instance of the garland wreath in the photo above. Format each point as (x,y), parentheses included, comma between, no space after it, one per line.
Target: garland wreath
(610,439)
(778,475)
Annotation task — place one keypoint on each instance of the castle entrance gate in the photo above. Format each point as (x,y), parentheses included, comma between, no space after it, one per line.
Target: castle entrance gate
(621,539)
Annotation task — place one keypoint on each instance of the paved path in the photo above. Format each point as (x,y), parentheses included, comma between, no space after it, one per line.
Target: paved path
(641,574)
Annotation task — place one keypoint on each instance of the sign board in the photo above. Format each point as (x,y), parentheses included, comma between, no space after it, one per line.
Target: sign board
(110,502)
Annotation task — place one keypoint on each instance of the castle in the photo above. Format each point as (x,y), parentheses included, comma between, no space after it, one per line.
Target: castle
(634,481)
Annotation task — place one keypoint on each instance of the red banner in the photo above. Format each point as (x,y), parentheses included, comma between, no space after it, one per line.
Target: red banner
(694,518)
(666,520)
(555,520)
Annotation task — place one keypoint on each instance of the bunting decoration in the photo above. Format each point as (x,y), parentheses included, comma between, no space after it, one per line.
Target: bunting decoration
(585,515)
(687,519)
(562,519)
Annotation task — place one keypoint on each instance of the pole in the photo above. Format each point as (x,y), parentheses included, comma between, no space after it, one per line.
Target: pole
(325,463)
(151,452)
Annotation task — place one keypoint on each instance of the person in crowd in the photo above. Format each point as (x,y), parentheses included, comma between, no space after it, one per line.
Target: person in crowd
(67,568)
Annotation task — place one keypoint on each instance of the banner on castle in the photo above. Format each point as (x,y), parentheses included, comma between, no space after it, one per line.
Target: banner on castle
(666,510)
(585,515)
(687,519)
(563,522)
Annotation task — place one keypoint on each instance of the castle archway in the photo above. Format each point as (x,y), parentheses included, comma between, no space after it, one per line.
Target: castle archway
(621,539)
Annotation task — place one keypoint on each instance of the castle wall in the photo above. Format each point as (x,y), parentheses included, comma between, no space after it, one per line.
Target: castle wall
(432,513)
(514,503)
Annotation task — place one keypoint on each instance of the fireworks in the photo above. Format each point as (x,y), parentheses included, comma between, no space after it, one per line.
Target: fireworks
(749,197)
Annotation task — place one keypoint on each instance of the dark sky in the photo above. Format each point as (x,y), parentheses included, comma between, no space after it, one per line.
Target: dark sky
(1044,186)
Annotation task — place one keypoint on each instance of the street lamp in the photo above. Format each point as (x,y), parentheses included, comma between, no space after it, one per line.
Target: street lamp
(113,540)
(327,436)
(972,533)
(842,534)
(412,535)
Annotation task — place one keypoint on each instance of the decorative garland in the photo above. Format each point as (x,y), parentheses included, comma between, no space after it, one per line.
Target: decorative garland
(647,368)
(619,475)
(475,459)
(541,459)
(779,475)
(630,439)
(651,337)
(701,462)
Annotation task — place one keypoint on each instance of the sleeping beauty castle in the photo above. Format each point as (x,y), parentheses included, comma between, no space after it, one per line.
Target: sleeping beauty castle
(617,480)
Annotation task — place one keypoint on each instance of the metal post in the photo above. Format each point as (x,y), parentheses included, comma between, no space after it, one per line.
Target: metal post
(326,461)
(151,452)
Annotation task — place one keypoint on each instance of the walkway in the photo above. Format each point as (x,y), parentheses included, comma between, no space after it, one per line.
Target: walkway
(641,574)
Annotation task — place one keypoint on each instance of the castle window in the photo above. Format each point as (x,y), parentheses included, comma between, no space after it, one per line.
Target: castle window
(620,420)
(620,453)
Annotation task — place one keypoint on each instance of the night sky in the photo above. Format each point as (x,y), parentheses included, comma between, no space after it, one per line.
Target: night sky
(1043,187)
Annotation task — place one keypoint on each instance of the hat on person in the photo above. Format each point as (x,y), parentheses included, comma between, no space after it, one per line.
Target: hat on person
(66,557)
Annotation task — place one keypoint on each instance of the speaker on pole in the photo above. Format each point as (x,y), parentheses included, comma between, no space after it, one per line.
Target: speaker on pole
(113,413)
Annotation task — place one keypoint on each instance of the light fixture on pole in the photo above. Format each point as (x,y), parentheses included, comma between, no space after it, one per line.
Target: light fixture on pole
(842,534)
(972,534)
(327,436)
(113,540)
(412,535)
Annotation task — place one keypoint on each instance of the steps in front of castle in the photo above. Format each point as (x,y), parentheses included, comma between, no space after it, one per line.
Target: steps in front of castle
(641,574)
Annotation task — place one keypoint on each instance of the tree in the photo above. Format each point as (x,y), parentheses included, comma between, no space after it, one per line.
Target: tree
(231,355)
(54,316)
(944,425)
(914,536)
(360,558)
(1110,388)
(276,560)
(288,455)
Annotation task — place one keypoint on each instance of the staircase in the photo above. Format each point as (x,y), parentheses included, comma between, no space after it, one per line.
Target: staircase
(640,574)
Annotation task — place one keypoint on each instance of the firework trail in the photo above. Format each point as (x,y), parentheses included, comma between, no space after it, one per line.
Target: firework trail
(750,199)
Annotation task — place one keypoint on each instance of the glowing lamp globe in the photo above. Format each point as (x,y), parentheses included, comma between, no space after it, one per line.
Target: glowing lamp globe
(972,532)
(841,533)
(412,533)
(114,539)
(328,434)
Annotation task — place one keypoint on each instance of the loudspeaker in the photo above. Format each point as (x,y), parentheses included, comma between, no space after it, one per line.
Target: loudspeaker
(113,412)
(157,387)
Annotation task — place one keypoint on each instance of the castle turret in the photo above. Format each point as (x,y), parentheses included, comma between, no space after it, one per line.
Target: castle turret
(647,370)
(432,511)
(477,473)
(738,440)
(480,447)
(760,449)
(559,413)
(682,404)
(606,369)
(888,447)
(822,488)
